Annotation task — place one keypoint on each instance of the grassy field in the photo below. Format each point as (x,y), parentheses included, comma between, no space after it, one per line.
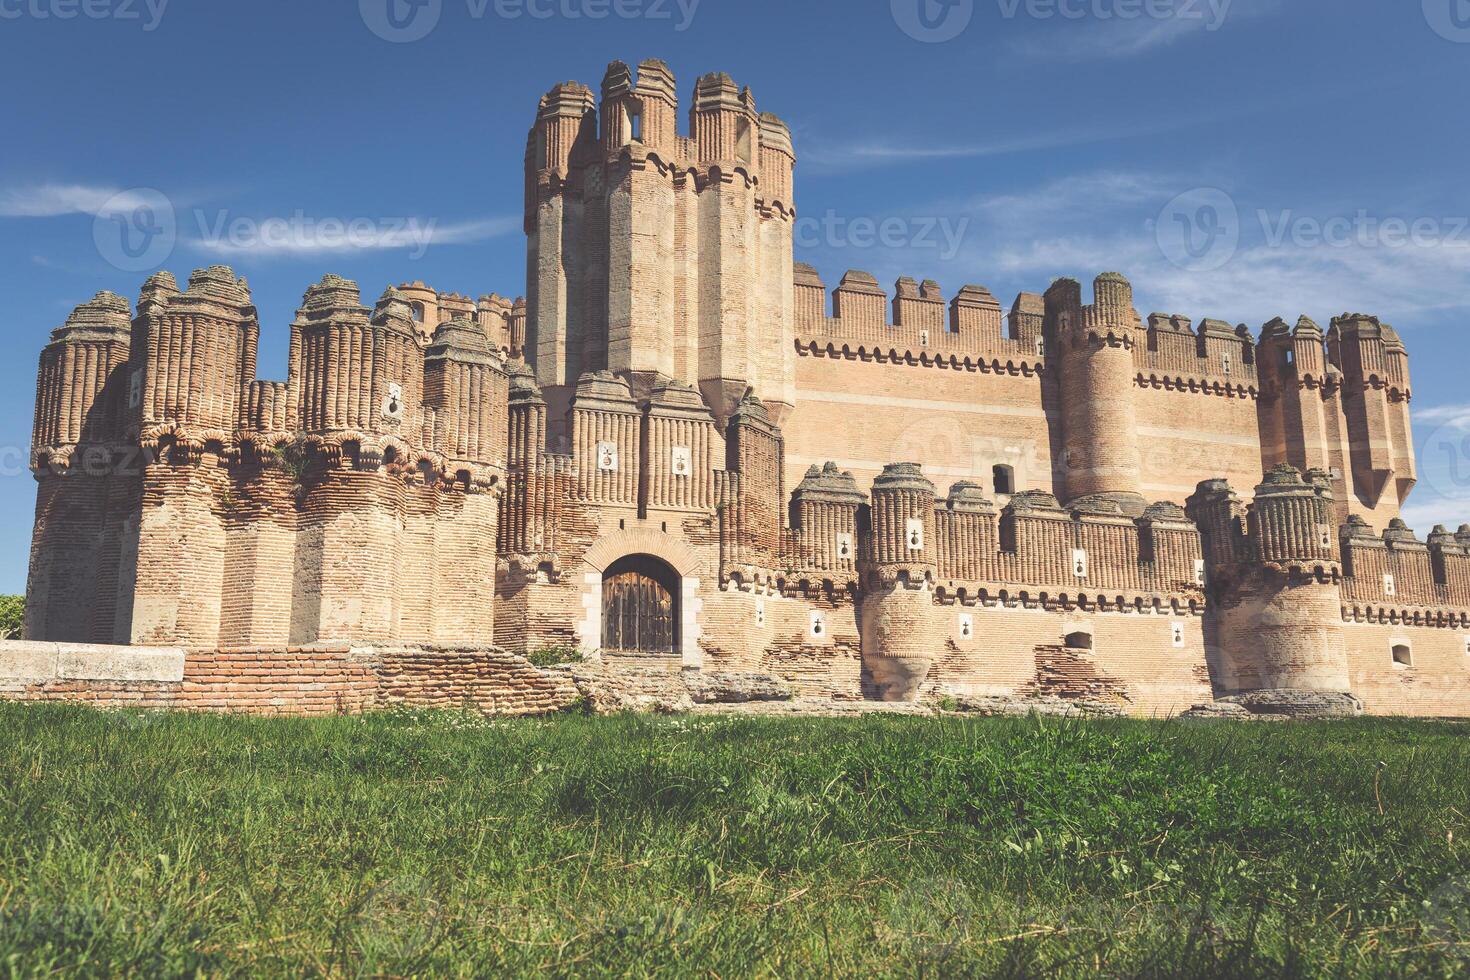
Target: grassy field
(452,844)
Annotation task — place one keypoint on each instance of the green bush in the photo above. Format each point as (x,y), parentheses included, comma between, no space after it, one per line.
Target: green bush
(12,616)
(555,656)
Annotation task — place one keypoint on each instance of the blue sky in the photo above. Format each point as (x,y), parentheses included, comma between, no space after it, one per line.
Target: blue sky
(1312,151)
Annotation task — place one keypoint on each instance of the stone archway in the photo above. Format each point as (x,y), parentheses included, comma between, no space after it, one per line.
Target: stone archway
(678,568)
(640,607)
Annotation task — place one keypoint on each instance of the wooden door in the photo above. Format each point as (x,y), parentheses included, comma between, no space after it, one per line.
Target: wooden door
(638,613)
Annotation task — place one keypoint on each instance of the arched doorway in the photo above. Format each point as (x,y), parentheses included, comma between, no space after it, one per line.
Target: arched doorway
(640,607)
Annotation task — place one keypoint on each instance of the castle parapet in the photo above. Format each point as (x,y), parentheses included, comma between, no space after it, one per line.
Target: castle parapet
(1218,354)
(973,328)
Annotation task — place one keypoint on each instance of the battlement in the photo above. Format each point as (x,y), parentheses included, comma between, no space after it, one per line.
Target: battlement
(635,121)
(971,325)
(504,320)
(964,545)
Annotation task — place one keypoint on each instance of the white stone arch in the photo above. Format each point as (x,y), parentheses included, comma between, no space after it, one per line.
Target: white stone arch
(677,554)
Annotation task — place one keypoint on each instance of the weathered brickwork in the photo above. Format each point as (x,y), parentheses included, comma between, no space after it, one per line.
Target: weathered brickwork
(895,497)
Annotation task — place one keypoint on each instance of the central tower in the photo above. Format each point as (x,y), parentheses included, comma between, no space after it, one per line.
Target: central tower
(653,254)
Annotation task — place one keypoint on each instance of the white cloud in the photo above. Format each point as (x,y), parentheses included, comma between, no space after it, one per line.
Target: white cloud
(1456,417)
(302,234)
(1106,29)
(1085,224)
(52,200)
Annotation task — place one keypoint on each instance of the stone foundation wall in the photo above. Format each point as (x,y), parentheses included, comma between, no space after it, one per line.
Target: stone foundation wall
(292,680)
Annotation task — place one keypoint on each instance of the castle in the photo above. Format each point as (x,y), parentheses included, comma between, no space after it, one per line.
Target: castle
(674,455)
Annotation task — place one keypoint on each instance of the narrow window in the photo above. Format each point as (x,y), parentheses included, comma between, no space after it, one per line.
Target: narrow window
(1227,363)
(1079,563)
(635,124)
(418,312)
(1005,479)
(1390,587)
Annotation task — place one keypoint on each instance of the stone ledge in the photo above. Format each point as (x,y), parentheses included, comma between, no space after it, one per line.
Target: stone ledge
(40,662)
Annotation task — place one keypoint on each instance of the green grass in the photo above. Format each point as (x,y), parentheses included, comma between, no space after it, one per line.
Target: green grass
(451,844)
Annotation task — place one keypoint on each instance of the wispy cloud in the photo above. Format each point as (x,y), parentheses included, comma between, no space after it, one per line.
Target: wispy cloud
(53,200)
(305,235)
(1108,31)
(1088,223)
(1456,417)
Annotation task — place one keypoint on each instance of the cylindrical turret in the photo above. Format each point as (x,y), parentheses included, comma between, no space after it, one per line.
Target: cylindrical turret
(466,386)
(902,524)
(200,357)
(899,638)
(1291,522)
(777,162)
(1100,430)
(1279,613)
(825,506)
(527,415)
(353,373)
(82,387)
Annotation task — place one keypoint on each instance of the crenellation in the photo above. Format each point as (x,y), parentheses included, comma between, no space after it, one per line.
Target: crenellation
(673,453)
